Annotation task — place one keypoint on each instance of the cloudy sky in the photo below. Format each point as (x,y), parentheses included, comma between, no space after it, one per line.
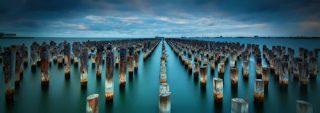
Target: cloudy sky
(148,18)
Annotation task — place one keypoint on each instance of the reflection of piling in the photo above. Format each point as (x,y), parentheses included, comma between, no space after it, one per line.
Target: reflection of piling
(44,84)
(33,67)
(165,105)
(98,72)
(67,74)
(9,95)
(83,84)
(38,62)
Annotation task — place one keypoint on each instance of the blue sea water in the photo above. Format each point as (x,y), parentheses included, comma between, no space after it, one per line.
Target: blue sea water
(141,94)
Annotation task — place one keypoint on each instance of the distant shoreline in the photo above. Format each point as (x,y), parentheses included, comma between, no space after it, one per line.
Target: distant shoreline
(259,37)
(16,37)
(288,37)
(153,37)
(72,37)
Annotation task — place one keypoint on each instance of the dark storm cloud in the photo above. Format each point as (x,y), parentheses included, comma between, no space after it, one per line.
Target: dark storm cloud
(286,15)
(246,8)
(272,10)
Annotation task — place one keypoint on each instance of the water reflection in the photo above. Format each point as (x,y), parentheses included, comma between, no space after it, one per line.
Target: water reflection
(165,105)
(109,106)
(274,95)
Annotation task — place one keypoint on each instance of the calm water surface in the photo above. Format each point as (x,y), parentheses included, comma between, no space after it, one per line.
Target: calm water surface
(141,94)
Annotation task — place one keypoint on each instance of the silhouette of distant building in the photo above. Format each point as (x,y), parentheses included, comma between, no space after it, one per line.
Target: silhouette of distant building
(7,35)
(158,37)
